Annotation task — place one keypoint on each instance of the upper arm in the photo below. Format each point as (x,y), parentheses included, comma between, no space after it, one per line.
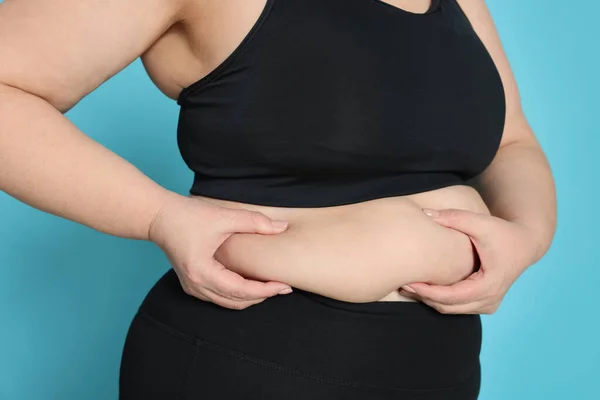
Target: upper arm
(516,126)
(61,50)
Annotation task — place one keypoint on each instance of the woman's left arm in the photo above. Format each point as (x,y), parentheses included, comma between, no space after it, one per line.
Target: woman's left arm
(519,190)
(518,185)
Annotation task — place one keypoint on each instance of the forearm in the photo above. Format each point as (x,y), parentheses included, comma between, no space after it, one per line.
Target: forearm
(518,186)
(352,258)
(48,163)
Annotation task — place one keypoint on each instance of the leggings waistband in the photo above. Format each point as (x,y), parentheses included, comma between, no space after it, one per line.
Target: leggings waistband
(395,345)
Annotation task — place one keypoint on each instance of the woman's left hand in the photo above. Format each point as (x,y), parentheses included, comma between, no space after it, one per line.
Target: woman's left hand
(505,251)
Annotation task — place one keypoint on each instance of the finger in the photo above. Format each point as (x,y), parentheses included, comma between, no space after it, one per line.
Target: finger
(245,221)
(470,308)
(408,294)
(443,308)
(205,294)
(208,295)
(472,224)
(466,291)
(235,287)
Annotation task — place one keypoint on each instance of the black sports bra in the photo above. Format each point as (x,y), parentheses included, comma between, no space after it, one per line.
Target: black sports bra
(331,102)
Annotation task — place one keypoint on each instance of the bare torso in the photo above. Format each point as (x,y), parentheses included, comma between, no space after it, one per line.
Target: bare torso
(211,30)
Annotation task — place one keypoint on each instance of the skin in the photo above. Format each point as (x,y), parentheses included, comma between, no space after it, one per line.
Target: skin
(53,53)
(353,252)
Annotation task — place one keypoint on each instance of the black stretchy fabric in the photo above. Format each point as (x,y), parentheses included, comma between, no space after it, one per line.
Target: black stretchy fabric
(330,102)
(300,346)
(325,102)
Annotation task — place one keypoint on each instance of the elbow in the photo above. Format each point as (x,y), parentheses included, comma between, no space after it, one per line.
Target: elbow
(62,102)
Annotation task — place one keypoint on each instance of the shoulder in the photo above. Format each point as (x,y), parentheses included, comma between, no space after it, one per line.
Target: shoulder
(61,50)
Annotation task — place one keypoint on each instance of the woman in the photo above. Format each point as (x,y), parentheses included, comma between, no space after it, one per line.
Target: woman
(333,245)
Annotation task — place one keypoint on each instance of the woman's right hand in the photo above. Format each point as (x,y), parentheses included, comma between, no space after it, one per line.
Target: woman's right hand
(189,231)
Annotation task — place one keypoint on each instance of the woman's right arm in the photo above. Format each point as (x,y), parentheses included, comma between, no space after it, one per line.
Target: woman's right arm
(52,54)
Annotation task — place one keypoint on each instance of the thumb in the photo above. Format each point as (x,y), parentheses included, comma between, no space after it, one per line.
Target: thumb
(245,221)
(470,223)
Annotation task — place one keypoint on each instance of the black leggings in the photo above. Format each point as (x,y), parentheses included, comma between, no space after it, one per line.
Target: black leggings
(297,346)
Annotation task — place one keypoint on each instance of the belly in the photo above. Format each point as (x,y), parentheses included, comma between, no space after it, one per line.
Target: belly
(457,196)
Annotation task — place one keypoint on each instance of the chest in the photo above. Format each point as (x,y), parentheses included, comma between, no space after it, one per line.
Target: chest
(316,86)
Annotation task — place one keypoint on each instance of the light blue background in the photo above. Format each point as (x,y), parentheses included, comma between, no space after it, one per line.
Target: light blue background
(67,293)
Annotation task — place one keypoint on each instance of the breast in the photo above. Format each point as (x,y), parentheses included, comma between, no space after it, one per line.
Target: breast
(356,100)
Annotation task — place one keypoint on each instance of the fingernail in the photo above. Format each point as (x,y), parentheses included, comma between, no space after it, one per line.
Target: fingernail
(277,223)
(430,212)
(409,289)
(286,291)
